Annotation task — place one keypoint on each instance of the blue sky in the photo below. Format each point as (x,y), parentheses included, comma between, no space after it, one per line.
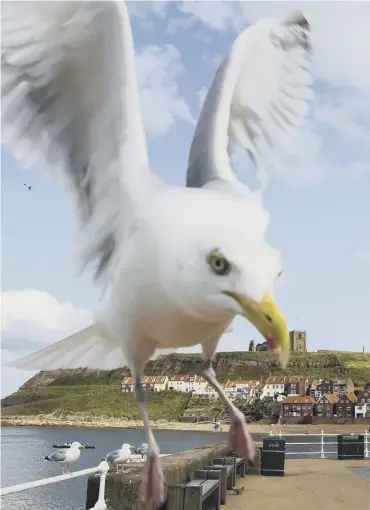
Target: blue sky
(318,198)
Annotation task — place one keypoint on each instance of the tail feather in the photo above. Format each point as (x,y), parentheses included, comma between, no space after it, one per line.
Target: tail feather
(93,347)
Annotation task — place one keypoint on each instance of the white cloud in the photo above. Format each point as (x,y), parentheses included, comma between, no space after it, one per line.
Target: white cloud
(348,113)
(142,11)
(219,16)
(39,316)
(161,100)
(32,318)
(303,164)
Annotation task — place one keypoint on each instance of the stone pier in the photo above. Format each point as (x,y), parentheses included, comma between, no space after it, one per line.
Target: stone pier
(123,489)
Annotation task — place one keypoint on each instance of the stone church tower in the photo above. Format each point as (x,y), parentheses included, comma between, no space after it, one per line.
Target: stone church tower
(297,341)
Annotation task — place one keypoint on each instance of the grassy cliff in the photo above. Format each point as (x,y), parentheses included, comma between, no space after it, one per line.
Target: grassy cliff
(98,393)
(95,401)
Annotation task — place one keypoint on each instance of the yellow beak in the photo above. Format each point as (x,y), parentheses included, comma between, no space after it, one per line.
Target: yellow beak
(267,318)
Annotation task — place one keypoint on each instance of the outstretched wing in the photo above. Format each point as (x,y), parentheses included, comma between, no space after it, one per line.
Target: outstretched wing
(70,104)
(260,93)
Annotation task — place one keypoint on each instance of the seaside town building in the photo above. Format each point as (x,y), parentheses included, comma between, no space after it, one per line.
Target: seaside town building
(299,406)
(326,405)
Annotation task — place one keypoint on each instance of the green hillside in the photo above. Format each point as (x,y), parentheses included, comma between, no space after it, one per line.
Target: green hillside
(95,401)
(228,365)
(97,393)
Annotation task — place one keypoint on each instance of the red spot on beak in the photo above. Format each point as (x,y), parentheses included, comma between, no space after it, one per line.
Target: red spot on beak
(270,341)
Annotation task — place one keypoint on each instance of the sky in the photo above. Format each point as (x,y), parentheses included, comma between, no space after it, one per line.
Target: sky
(318,196)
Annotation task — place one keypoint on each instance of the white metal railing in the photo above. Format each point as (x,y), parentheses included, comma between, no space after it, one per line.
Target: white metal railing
(322,443)
(102,469)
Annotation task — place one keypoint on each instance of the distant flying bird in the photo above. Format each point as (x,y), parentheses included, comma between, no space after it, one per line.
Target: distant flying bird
(179,263)
(120,456)
(30,188)
(66,456)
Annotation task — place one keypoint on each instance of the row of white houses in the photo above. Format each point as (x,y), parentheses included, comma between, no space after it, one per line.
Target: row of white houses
(273,387)
(194,384)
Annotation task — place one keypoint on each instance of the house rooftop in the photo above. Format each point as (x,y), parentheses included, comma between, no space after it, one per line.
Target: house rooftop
(177,378)
(160,379)
(229,384)
(333,399)
(276,379)
(299,400)
(128,380)
(351,397)
(148,379)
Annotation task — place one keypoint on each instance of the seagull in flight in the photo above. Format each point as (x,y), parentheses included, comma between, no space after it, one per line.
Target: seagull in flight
(176,264)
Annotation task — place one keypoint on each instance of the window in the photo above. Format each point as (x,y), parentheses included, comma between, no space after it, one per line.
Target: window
(349,408)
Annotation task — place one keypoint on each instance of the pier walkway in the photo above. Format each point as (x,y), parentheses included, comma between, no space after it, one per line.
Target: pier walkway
(308,484)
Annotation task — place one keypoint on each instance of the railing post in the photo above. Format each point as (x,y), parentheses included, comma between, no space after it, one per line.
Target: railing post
(322,452)
(366,451)
(103,470)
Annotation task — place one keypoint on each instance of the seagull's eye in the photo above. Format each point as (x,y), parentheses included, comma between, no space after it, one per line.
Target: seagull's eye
(218,263)
(278,276)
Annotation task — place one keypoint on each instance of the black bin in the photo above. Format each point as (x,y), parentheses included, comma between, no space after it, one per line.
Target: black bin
(351,447)
(273,457)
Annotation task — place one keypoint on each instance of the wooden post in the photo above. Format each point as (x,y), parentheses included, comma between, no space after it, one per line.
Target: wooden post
(231,461)
(223,481)
(175,497)
(215,497)
(193,498)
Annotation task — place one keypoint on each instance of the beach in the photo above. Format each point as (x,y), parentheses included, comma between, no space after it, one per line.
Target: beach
(83,420)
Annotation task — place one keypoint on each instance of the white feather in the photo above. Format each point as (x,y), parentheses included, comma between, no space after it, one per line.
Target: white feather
(260,93)
(93,347)
(70,104)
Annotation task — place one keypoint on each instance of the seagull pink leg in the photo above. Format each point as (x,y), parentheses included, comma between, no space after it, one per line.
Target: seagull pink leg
(152,485)
(240,439)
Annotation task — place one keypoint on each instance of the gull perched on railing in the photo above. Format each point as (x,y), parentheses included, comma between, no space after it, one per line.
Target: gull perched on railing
(142,450)
(66,456)
(120,456)
(178,263)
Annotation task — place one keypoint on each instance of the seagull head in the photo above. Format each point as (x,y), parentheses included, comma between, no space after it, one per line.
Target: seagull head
(242,273)
(126,446)
(76,444)
(224,267)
